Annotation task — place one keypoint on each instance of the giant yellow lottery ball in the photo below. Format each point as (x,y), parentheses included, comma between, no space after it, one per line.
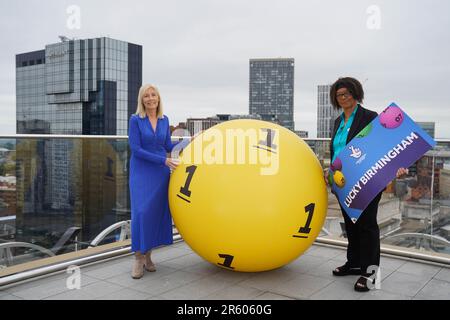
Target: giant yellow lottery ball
(248,195)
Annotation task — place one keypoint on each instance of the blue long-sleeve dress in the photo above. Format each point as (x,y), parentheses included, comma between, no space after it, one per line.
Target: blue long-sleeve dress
(151,221)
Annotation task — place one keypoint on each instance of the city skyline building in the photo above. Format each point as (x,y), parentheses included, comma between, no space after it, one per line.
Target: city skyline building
(196,125)
(74,87)
(78,87)
(326,114)
(271,90)
(428,127)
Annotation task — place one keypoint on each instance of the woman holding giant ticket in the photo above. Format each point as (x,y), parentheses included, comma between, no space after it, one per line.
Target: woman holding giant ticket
(363,249)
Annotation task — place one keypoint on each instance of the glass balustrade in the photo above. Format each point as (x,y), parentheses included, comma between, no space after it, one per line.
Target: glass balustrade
(58,194)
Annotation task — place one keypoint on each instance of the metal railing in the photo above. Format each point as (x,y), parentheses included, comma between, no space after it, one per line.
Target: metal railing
(124,226)
(7,255)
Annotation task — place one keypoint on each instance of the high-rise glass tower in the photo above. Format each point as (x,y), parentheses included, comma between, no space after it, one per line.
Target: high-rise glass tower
(326,114)
(74,87)
(272,90)
(78,87)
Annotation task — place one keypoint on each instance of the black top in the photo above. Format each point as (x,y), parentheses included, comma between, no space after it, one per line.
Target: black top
(362,118)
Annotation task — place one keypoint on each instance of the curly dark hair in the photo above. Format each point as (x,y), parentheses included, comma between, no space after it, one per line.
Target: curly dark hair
(353,86)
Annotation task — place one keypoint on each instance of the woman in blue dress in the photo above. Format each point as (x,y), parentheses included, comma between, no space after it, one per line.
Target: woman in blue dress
(149,139)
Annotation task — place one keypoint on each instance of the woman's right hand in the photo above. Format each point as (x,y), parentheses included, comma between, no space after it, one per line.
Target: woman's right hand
(172,163)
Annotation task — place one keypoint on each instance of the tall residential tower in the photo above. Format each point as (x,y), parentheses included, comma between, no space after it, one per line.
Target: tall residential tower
(272,90)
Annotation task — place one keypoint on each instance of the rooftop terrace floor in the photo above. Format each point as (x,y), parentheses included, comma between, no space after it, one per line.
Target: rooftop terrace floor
(182,274)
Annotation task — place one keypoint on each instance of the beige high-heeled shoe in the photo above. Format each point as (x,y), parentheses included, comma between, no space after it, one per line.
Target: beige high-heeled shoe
(149,265)
(138,267)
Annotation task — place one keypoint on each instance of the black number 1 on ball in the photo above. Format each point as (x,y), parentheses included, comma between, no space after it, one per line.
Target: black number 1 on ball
(184,190)
(306,229)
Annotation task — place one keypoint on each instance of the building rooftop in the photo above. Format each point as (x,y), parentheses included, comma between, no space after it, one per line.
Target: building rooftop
(182,274)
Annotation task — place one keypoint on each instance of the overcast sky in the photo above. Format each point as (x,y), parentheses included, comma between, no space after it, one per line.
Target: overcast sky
(197,52)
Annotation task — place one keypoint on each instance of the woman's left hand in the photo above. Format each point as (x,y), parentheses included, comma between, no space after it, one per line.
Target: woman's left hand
(401,172)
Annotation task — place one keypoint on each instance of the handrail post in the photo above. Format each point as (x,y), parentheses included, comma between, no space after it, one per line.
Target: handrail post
(9,257)
(124,231)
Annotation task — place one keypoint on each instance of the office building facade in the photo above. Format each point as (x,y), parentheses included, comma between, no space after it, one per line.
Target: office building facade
(85,87)
(196,125)
(74,87)
(272,90)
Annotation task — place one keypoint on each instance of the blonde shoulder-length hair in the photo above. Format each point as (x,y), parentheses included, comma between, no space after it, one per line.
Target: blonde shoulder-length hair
(140,106)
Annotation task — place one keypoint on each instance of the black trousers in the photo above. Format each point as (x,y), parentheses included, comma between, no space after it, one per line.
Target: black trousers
(364,237)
